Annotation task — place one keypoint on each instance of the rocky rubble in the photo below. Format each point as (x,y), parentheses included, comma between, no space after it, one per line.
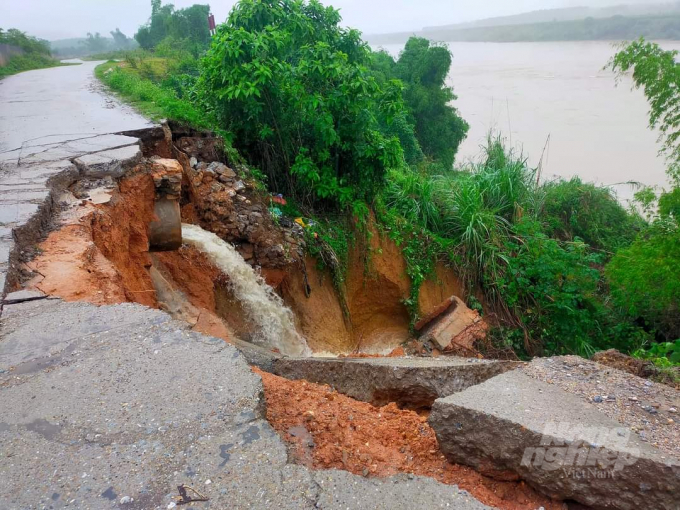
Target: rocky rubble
(233,209)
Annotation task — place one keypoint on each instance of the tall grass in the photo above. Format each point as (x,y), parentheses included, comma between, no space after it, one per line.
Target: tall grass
(545,291)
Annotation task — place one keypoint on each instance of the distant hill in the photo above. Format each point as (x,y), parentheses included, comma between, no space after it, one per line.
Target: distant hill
(625,22)
(566,14)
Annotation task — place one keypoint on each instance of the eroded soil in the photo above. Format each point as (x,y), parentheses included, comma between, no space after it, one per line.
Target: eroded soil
(327,430)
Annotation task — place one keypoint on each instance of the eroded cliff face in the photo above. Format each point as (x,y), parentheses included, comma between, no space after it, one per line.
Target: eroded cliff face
(99,253)
(376,288)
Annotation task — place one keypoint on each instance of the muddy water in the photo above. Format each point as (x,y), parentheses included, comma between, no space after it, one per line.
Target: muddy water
(555,101)
(263,307)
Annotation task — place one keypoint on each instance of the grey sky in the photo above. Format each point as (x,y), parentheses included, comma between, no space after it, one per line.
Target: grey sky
(58,19)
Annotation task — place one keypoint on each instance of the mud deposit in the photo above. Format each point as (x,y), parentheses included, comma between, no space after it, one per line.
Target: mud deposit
(327,430)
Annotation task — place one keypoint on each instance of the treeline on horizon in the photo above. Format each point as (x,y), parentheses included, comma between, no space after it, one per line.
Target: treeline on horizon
(92,44)
(616,28)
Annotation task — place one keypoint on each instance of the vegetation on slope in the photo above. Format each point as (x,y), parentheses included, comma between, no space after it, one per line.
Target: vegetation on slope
(645,277)
(36,53)
(341,130)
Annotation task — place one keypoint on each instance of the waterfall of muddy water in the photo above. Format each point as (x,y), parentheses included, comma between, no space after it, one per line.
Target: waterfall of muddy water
(263,306)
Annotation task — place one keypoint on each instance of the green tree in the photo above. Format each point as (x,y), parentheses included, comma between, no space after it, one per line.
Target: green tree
(657,72)
(423,67)
(295,90)
(95,43)
(29,44)
(645,278)
(186,28)
(120,40)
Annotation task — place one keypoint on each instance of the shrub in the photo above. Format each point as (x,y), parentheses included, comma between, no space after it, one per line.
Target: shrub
(645,279)
(592,213)
(294,89)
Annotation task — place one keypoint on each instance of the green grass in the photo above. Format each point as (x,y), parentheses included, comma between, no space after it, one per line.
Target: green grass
(149,98)
(29,62)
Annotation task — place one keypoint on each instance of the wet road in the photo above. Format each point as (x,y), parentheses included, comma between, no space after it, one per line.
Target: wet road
(39,109)
(48,118)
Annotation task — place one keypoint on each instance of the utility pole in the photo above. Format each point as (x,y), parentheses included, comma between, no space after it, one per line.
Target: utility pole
(211,23)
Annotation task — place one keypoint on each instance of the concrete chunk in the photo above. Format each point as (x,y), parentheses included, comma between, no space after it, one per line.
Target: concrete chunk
(21,296)
(112,162)
(452,327)
(560,445)
(410,382)
(339,490)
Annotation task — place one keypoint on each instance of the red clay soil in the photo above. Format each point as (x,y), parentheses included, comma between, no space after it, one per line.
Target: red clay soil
(120,233)
(194,275)
(327,430)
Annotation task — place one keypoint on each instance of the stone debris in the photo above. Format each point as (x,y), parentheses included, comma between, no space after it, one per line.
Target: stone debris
(167,177)
(237,213)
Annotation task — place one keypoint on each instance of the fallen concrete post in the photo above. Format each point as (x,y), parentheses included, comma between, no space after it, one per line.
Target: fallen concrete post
(452,328)
(410,382)
(563,447)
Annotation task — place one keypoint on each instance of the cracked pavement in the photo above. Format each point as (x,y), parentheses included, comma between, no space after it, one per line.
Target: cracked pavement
(48,118)
(117,406)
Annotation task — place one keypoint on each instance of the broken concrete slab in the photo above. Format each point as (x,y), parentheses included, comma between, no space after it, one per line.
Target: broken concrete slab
(22,296)
(452,327)
(341,490)
(410,382)
(111,163)
(563,447)
(124,405)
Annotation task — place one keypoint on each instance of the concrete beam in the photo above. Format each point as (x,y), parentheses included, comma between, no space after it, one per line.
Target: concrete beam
(410,382)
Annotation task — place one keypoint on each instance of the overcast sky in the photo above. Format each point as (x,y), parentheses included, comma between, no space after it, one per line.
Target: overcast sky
(59,19)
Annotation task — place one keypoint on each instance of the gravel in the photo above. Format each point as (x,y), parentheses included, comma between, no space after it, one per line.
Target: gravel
(647,408)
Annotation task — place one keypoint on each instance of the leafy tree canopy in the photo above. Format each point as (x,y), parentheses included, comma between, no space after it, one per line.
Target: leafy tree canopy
(190,26)
(657,72)
(29,44)
(423,67)
(295,90)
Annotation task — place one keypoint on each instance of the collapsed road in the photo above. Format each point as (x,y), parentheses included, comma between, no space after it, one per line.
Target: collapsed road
(117,406)
(126,406)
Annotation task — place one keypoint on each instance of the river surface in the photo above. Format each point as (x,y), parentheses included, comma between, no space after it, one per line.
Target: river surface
(555,102)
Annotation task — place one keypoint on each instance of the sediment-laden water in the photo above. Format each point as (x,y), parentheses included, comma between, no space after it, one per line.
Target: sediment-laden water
(264,308)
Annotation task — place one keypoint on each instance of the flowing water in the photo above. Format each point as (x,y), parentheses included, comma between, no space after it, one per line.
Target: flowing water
(263,306)
(555,101)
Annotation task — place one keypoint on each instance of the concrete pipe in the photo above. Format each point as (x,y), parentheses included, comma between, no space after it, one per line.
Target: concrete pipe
(165,234)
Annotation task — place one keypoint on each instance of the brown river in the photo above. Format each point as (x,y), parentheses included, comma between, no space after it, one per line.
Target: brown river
(555,102)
